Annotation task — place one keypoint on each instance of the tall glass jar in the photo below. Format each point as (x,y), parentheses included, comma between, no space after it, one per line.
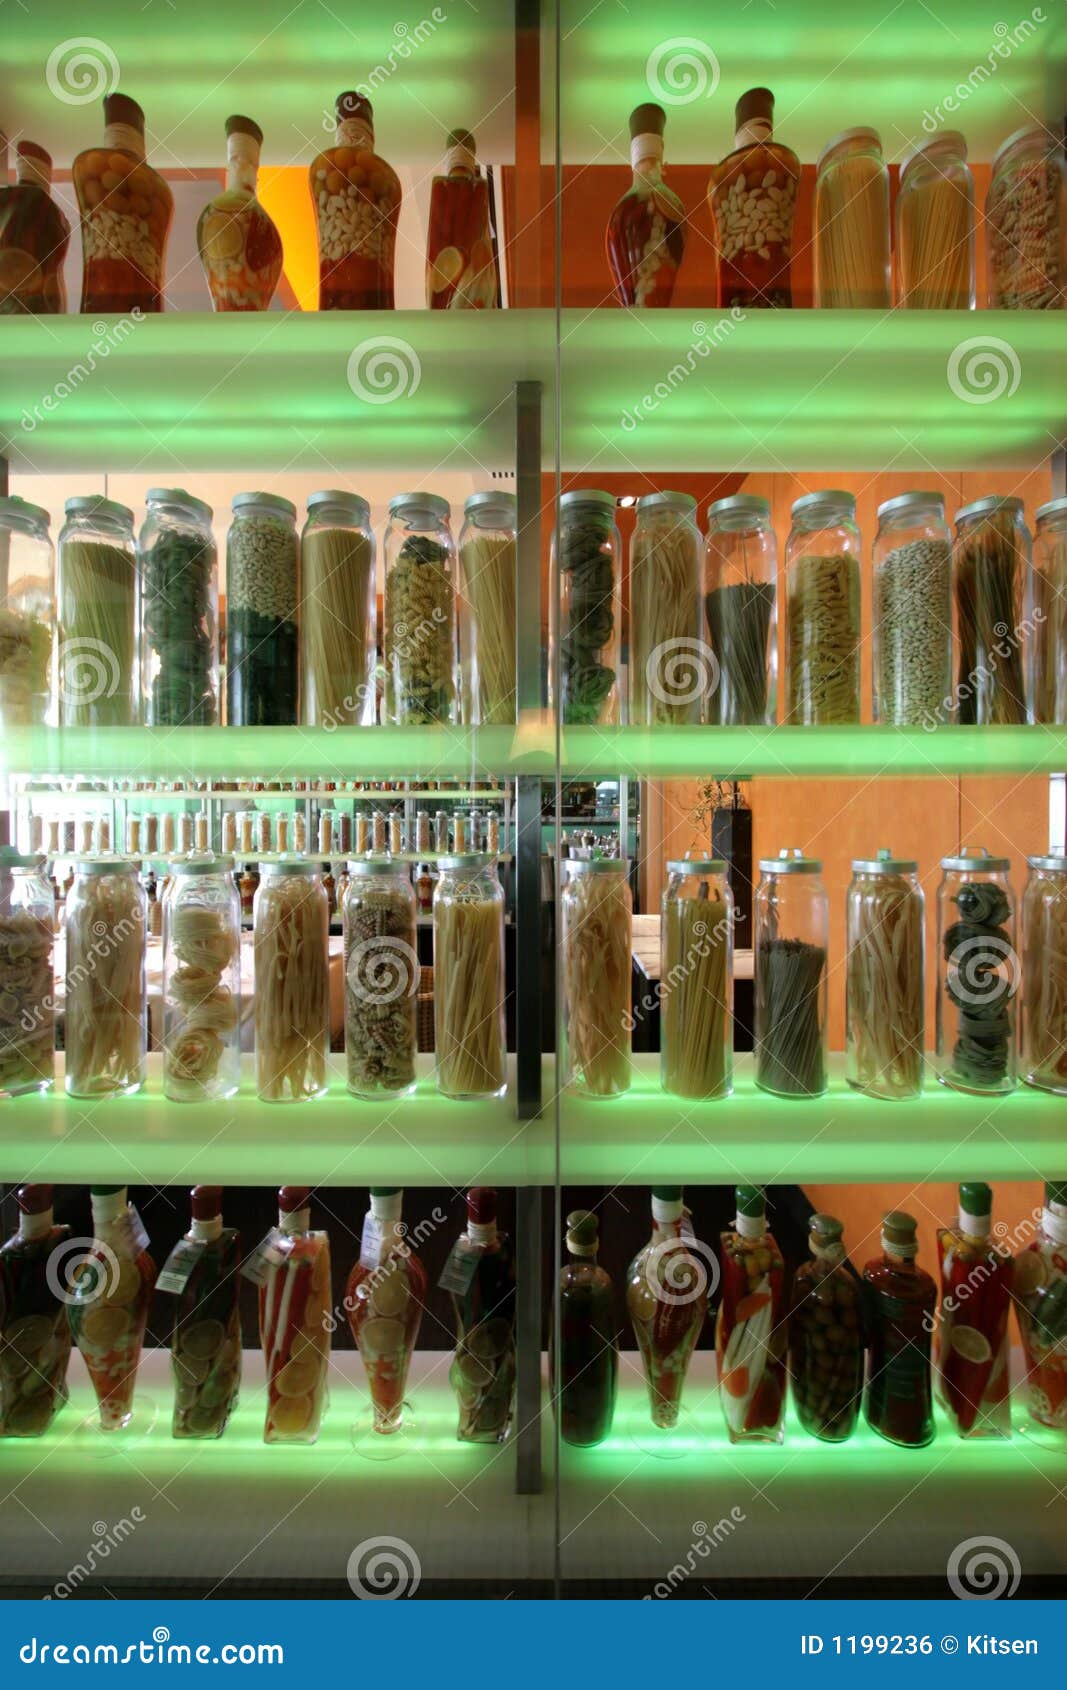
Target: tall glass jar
(96,592)
(179,611)
(201,980)
(381,978)
(912,635)
(1048,638)
(27,991)
(487,545)
(935,226)
(338,612)
(1026,219)
(106,1000)
(1044,993)
(979,973)
(991,572)
(291,943)
(696,980)
(792,942)
(822,630)
(741,608)
(852,264)
(597,921)
(587,619)
(126,210)
(357,203)
(420,645)
(671,671)
(27,613)
(239,245)
(885,998)
(262,640)
(468,986)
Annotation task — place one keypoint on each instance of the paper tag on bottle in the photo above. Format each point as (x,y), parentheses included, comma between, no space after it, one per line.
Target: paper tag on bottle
(459,1270)
(258,1262)
(370,1245)
(131,1224)
(177,1270)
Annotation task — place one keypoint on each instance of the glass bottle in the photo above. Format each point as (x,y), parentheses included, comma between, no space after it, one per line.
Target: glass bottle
(262,640)
(822,630)
(338,612)
(912,632)
(461,267)
(126,210)
(979,974)
(381,979)
(827,1346)
(741,610)
(468,999)
(851,224)
(1039,1290)
(935,226)
(27,989)
(1043,923)
(645,236)
(108,1303)
(107,1006)
(585,1358)
(96,593)
(671,672)
(973,1373)
(27,614)
(291,943)
(201,981)
(1026,219)
(420,652)
(587,620)
(205,1347)
(34,1330)
(792,938)
(901,1300)
(240,247)
(487,544)
(385,1298)
(885,996)
(295,1321)
(179,572)
(357,204)
(696,968)
(667,1301)
(597,919)
(34,237)
(753,195)
(480,1280)
(993,587)
(1048,641)
(750,1331)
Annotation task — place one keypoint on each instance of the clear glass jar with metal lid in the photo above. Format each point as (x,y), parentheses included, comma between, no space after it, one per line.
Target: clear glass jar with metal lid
(596,913)
(96,591)
(935,226)
(487,544)
(179,572)
(338,612)
(420,643)
(201,980)
(27,614)
(979,973)
(822,629)
(792,942)
(671,669)
(741,608)
(262,594)
(468,983)
(885,998)
(27,989)
(586,609)
(993,591)
(696,980)
(381,978)
(912,611)
(851,224)
(1043,920)
(1048,634)
(106,1016)
(291,942)
(1026,221)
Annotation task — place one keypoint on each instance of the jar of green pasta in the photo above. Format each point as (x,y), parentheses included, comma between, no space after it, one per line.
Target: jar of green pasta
(792,941)
(993,593)
(696,975)
(672,669)
(885,998)
(979,973)
(1043,919)
(179,572)
(586,609)
(741,609)
(1048,645)
(912,633)
(338,612)
(96,591)
(596,914)
(487,545)
(27,611)
(420,644)
(823,634)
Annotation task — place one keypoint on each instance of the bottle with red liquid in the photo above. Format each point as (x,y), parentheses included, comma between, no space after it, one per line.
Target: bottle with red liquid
(357,204)
(973,1374)
(34,236)
(1040,1293)
(126,211)
(202,1272)
(294,1320)
(109,1302)
(461,273)
(586,1370)
(34,1331)
(750,1332)
(480,1279)
(239,245)
(384,1299)
(645,237)
(901,1304)
(667,1299)
(827,1346)
(753,195)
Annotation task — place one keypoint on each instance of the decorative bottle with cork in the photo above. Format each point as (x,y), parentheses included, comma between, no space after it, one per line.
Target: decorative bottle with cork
(357,204)
(202,1274)
(586,1370)
(901,1302)
(667,1300)
(34,236)
(479,1276)
(126,210)
(827,1344)
(753,195)
(1040,1292)
(461,273)
(292,1268)
(384,1301)
(973,1375)
(240,247)
(750,1330)
(34,1332)
(645,237)
(109,1303)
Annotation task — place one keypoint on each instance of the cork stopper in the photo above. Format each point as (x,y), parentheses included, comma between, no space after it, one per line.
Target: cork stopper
(34,1199)
(754,106)
(245,126)
(648,119)
(292,1198)
(206,1202)
(582,1232)
(481,1205)
(119,108)
(355,106)
(898,1233)
(462,138)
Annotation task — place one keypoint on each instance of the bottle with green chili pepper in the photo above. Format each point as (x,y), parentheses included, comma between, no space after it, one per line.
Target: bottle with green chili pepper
(586,1368)
(901,1300)
(826,1336)
(587,609)
(178,563)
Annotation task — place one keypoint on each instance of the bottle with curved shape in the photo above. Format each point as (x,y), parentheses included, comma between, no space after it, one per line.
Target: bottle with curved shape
(753,195)
(109,1304)
(973,1372)
(645,237)
(357,204)
(206,1336)
(827,1347)
(1040,1292)
(461,271)
(126,212)
(480,1279)
(384,1300)
(34,1331)
(901,1300)
(34,237)
(239,244)
(750,1331)
(294,1321)
(586,1371)
(667,1300)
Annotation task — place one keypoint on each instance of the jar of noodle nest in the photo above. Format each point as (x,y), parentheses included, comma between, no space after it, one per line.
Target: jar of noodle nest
(1048,641)
(912,612)
(381,978)
(1026,218)
(979,974)
(338,612)
(671,668)
(586,610)
(420,640)
(201,980)
(106,1020)
(96,593)
(935,226)
(851,217)
(741,608)
(822,565)
(468,983)
(696,976)
(792,941)
(885,999)
(27,990)
(991,576)
(27,613)
(487,545)
(291,941)
(597,919)
(1044,993)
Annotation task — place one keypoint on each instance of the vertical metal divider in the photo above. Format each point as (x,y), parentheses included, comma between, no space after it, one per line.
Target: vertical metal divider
(1057,783)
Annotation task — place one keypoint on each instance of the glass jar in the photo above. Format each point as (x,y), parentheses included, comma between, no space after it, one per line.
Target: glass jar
(823,634)
(240,247)
(645,236)
(741,608)
(126,210)
(27,611)
(671,669)
(201,981)
(979,974)
(291,943)
(885,998)
(587,609)
(992,584)
(262,640)
(381,979)
(696,980)
(753,195)
(357,204)
(935,226)
(34,237)
(792,942)
(27,990)
(596,912)
(468,987)
(1026,217)
(96,592)
(179,611)
(487,545)
(1044,988)
(421,658)
(338,612)
(912,633)
(1048,640)
(461,267)
(106,1003)
(851,217)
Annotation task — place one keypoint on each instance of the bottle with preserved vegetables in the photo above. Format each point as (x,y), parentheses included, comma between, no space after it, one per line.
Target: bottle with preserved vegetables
(935,226)
(357,204)
(696,967)
(741,608)
(107,1003)
(885,995)
(822,630)
(292,1268)
(1043,919)
(179,572)
(670,676)
(385,1299)
(479,1277)
(240,247)
(420,642)
(587,619)
(126,210)
(827,1343)
(1026,221)
(753,195)
(750,1332)
(901,1300)
(993,588)
(97,615)
(461,267)
(34,1330)
(201,980)
(645,235)
(108,1304)
(262,635)
(667,1300)
(1040,1294)
(27,989)
(202,1274)
(1048,639)
(792,938)
(381,978)
(973,1374)
(585,1357)
(597,942)
(34,237)
(979,971)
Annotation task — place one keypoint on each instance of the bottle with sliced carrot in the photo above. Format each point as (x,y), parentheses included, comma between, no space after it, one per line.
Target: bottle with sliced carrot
(667,1299)
(34,1332)
(295,1321)
(645,236)
(126,211)
(109,1303)
(239,245)
(750,1331)
(1040,1294)
(202,1272)
(384,1300)
(826,1336)
(357,204)
(973,1374)
(461,272)
(901,1305)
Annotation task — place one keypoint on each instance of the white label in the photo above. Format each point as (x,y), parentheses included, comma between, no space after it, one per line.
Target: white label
(265,1256)
(131,1230)
(177,1270)
(458,1272)
(370,1245)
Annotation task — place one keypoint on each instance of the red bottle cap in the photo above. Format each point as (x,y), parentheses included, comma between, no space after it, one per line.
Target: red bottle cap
(293,1197)
(30,149)
(34,1199)
(481,1205)
(206,1202)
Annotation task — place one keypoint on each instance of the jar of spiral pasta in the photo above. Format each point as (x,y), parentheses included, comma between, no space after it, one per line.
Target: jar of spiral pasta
(912,612)
(27,614)
(106,1020)
(792,941)
(885,999)
(201,980)
(338,612)
(597,919)
(1048,639)
(935,226)
(179,610)
(96,592)
(262,641)
(1044,995)
(696,980)
(979,973)
(851,217)
(291,941)
(741,608)
(586,609)
(991,581)
(1026,220)
(670,666)
(27,991)
(381,978)
(822,565)
(487,545)
(421,658)
(468,977)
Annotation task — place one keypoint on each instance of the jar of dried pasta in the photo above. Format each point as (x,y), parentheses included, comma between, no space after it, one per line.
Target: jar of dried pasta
(586,608)
(262,612)
(696,975)
(741,608)
(597,920)
(1044,992)
(27,614)
(935,226)
(822,631)
(27,991)
(851,218)
(979,973)
(96,592)
(487,544)
(791,920)
(912,612)
(991,581)
(338,612)
(468,980)
(1026,219)
(201,980)
(885,999)
(106,1022)
(291,942)
(1048,643)
(381,978)
(420,643)
(671,668)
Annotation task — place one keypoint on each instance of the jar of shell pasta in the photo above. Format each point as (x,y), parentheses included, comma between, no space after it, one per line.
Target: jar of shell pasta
(201,980)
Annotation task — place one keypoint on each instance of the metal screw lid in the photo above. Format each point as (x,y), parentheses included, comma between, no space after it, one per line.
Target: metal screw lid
(790,860)
(976,857)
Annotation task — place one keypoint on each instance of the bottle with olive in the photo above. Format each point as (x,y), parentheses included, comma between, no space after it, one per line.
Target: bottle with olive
(826,1337)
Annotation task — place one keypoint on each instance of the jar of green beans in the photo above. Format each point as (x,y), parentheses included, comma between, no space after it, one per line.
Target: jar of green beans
(792,939)
(696,974)
(1048,644)
(338,612)
(420,644)
(912,636)
(822,563)
(741,609)
(586,608)
(979,973)
(179,571)
(885,999)
(672,669)
(27,609)
(993,592)
(262,640)
(96,588)
(487,544)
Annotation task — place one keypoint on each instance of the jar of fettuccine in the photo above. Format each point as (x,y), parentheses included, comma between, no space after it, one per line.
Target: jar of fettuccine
(291,925)
(201,980)
(106,1003)
(468,984)
(597,916)
(884,979)
(696,965)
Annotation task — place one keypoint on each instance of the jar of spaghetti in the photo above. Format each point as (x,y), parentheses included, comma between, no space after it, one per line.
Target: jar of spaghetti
(792,942)
(597,917)
(106,1001)
(357,204)
(991,575)
(979,974)
(885,998)
(1026,218)
(587,610)
(126,210)
(27,614)
(696,974)
(822,630)
(912,633)
(741,610)
(27,990)
(852,263)
(338,612)
(420,644)
(671,672)
(381,979)
(935,226)
(487,608)
(1048,641)
(1044,993)
(291,926)
(96,591)
(201,980)
(468,985)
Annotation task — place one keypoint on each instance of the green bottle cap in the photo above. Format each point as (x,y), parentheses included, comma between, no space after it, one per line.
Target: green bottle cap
(827,1229)
(976,1198)
(105,1190)
(582,1231)
(667,1193)
(750,1201)
(1056,1192)
(385,1191)
(899,1228)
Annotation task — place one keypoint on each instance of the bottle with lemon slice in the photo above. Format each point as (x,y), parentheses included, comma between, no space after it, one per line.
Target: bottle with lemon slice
(667,1300)
(480,1279)
(827,1342)
(206,1340)
(901,1299)
(460,261)
(973,1376)
(384,1301)
(751,1336)
(109,1303)
(1040,1294)
(240,247)
(295,1321)
(34,1332)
